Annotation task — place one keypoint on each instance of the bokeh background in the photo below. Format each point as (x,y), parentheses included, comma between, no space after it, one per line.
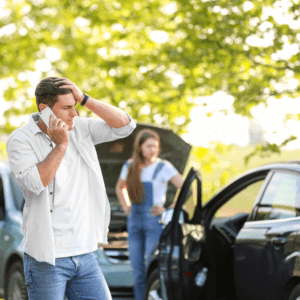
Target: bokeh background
(224,75)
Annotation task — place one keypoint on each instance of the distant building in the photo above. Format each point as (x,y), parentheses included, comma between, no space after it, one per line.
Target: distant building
(256,133)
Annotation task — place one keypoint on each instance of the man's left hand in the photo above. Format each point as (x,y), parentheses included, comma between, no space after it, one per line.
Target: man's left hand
(66,83)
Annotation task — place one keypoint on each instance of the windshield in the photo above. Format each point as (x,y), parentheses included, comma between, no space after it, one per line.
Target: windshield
(17,193)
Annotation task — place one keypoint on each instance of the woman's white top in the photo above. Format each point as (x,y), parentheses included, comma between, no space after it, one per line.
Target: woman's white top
(160,182)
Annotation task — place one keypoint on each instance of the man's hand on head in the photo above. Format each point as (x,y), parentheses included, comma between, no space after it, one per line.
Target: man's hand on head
(66,83)
(112,115)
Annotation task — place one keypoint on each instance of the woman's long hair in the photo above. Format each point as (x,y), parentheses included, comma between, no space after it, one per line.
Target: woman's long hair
(134,184)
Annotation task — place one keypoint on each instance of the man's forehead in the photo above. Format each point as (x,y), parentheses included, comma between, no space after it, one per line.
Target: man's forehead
(66,100)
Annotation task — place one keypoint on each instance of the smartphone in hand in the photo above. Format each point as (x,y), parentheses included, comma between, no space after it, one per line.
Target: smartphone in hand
(45,115)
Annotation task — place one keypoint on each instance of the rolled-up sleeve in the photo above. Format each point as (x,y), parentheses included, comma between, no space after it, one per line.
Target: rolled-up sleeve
(125,130)
(22,162)
(102,133)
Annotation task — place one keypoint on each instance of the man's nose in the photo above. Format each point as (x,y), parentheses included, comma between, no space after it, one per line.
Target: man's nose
(74,112)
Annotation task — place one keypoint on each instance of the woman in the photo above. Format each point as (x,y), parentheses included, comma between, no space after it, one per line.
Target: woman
(141,190)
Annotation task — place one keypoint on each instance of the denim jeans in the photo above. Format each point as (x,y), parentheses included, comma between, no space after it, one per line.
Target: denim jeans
(144,231)
(77,277)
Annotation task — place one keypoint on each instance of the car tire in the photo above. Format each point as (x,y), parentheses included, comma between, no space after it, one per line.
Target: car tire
(295,294)
(15,283)
(153,286)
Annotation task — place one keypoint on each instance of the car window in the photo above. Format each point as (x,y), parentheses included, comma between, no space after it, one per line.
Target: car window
(242,202)
(281,197)
(191,200)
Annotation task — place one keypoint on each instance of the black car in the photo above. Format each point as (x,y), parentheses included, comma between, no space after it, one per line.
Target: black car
(243,244)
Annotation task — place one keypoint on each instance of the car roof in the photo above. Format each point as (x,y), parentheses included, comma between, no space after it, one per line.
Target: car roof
(283,166)
(292,165)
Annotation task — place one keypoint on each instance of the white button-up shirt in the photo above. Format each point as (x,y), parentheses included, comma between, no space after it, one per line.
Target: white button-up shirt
(26,147)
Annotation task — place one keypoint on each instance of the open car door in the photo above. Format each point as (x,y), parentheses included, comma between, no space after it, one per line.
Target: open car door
(180,246)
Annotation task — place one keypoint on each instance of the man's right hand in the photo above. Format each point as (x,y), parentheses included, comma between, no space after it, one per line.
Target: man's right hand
(58,131)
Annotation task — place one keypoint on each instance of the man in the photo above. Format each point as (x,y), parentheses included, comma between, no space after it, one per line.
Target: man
(66,212)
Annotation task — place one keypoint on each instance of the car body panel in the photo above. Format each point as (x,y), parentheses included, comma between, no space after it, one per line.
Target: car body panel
(258,241)
(118,273)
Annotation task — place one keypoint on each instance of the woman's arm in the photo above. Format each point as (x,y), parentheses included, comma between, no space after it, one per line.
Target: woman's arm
(178,181)
(121,191)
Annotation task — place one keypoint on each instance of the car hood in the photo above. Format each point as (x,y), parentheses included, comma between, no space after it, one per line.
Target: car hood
(113,155)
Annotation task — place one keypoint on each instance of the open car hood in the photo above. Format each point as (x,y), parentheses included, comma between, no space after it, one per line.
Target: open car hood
(113,155)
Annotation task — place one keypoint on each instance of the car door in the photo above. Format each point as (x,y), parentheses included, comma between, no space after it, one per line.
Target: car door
(262,257)
(180,245)
(223,217)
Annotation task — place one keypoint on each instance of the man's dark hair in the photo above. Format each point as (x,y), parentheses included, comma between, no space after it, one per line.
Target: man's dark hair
(47,92)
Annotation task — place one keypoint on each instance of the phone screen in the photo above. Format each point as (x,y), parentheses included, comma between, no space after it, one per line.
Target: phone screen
(45,115)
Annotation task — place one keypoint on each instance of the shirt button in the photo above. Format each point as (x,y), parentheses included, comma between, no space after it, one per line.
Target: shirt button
(50,210)
(51,193)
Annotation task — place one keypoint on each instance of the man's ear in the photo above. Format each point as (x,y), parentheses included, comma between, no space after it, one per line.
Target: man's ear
(42,106)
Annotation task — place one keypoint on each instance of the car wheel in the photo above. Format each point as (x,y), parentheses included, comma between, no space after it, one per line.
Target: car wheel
(295,294)
(153,291)
(15,283)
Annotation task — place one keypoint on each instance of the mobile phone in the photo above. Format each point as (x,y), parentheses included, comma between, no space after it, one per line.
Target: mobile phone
(45,115)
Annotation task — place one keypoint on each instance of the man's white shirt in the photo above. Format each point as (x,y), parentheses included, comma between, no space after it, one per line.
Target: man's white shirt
(74,203)
(72,215)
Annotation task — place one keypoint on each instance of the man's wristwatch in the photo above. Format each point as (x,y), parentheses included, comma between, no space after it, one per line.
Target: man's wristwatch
(86,97)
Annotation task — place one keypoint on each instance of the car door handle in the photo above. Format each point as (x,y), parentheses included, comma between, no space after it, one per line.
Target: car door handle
(278,240)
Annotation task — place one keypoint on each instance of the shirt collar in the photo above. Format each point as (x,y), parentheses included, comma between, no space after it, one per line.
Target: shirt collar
(32,123)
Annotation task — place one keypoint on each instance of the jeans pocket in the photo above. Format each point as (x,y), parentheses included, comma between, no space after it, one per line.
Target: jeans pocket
(27,270)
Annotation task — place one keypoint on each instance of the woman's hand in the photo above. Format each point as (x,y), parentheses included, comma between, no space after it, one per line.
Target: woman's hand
(127,210)
(157,210)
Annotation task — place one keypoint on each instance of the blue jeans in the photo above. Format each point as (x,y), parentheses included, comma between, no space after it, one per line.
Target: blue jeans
(77,277)
(144,231)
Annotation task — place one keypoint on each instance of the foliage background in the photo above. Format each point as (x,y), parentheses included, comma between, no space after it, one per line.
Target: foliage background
(152,58)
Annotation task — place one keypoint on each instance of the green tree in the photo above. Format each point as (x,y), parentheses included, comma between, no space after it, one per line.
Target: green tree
(150,57)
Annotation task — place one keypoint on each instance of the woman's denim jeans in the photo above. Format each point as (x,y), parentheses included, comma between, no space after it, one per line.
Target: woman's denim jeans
(77,277)
(144,231)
